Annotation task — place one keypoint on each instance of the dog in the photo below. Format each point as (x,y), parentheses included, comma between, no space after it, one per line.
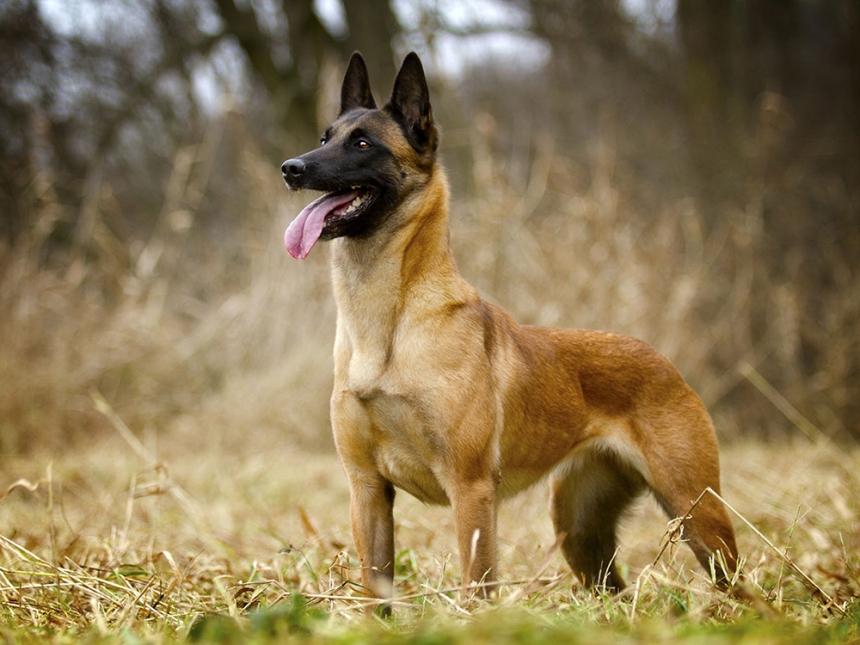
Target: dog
(441,394)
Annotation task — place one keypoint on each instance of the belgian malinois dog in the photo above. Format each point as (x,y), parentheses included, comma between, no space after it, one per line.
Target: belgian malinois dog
(443,395)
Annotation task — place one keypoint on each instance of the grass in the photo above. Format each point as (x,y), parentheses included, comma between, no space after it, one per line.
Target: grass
(168,473)
(195,540)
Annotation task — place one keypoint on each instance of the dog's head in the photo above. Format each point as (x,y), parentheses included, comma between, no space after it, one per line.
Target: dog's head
(369,160)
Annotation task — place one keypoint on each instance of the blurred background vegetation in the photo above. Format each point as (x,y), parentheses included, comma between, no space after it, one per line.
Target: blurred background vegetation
(686,172)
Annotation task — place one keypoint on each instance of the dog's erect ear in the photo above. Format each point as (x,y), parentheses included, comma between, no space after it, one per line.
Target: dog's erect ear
(355,91)
(410,102)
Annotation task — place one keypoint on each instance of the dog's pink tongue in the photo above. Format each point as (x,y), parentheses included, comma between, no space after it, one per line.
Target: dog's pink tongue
(305,230)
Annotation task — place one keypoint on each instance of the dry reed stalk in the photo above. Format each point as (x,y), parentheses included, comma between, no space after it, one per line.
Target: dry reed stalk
(52,588)
(807,581)
(21,483)
(186,502)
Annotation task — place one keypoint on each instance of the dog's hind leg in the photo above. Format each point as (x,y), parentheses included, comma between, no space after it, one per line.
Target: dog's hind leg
(589,497)
(706,529)
(706,526)
(682,463)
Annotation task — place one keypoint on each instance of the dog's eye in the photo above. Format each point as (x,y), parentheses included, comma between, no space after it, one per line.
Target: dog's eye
(362,144)
(323,140)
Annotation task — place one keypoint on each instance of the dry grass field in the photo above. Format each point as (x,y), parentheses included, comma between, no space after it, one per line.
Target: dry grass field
(123,538)
(167,470)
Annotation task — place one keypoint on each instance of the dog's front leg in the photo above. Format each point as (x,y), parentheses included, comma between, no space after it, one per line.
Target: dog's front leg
(474,505)
(372,518)
(371,497)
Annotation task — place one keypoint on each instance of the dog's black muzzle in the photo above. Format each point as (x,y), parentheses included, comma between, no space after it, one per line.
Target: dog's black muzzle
(321,169)
(293,171)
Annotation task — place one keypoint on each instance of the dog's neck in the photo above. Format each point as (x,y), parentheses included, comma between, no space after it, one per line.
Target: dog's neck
(414,251)
(377,281)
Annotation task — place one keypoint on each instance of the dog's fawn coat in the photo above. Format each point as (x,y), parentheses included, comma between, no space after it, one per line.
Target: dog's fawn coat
(443,395)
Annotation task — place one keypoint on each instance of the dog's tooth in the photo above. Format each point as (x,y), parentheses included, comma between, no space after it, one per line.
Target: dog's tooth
(355,203)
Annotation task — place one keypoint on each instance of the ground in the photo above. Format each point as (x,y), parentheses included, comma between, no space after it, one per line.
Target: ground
(207,536)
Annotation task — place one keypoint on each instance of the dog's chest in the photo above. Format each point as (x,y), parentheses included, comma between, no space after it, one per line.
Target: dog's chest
(406,451)
(398,423)
(391,367)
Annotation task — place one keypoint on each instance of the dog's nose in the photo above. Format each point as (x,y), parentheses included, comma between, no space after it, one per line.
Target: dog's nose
(293,168)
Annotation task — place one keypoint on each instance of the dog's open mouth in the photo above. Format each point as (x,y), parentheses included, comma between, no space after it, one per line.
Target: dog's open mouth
(326,212)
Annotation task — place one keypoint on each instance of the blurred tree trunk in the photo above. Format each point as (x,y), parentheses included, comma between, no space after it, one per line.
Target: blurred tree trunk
(309,45)
(372,29)
(772,48)
(706,30)
(293,89)
(26,53)
(733,54)
(581,32)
